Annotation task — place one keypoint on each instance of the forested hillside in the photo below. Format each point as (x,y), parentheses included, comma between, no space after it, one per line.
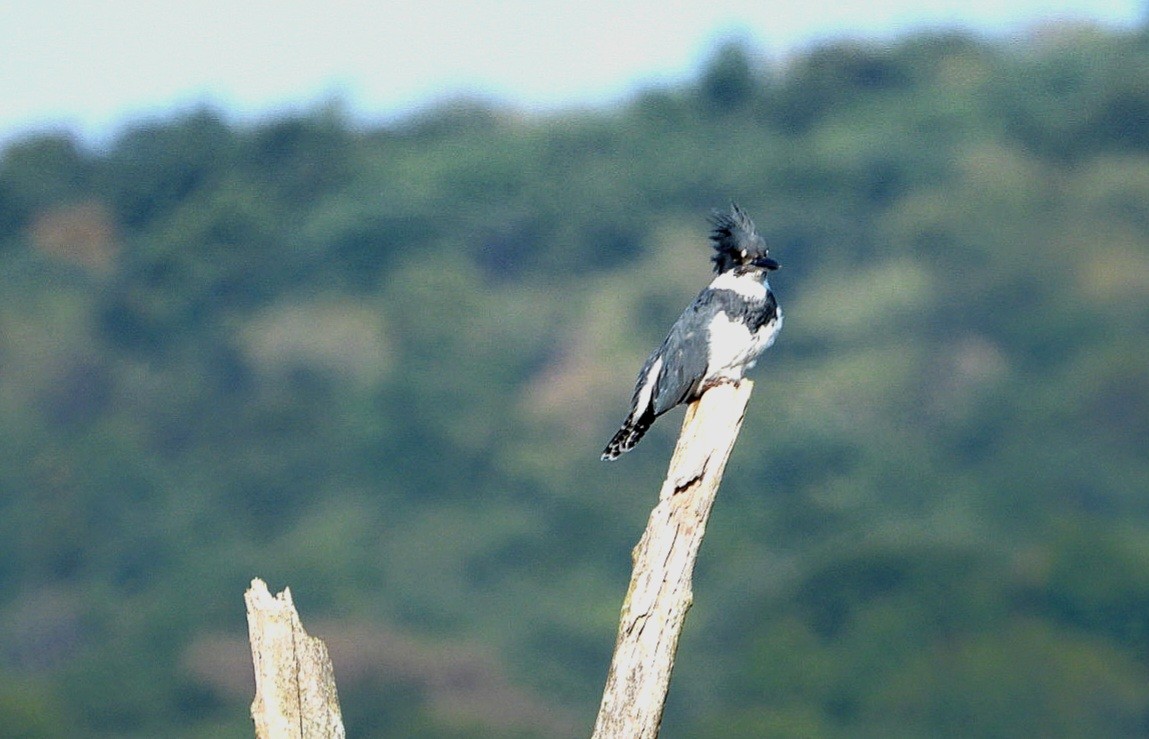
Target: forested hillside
(377,365)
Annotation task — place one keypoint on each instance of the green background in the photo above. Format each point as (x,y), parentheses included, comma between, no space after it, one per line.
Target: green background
(377,365)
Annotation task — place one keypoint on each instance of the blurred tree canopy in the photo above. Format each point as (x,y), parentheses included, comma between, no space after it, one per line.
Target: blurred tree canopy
(377,364)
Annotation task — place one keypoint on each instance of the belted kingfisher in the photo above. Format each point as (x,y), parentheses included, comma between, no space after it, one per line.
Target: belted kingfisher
(717,338)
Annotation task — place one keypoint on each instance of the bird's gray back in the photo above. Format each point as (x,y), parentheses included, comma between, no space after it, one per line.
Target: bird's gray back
(685,354)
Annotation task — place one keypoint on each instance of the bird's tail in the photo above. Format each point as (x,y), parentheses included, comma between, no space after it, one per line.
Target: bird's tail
(630,434)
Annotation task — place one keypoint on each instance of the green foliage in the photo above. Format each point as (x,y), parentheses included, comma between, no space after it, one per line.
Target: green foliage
(729,81)
(377,366)
(28,711)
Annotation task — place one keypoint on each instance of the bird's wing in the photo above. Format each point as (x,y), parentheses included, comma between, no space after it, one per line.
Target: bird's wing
(684,356)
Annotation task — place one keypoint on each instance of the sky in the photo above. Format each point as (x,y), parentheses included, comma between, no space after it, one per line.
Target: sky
(94,66)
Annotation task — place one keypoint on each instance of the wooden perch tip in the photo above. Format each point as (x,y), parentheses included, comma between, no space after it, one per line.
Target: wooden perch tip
(660,587)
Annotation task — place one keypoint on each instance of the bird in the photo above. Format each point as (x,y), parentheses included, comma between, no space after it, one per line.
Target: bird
(717,338)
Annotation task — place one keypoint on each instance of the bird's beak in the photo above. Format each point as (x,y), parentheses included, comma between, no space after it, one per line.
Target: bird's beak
(767,263)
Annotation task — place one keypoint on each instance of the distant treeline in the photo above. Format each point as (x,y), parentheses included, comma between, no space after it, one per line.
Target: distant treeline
(377,364)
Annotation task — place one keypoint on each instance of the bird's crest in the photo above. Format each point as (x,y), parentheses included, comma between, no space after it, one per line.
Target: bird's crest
(736,241)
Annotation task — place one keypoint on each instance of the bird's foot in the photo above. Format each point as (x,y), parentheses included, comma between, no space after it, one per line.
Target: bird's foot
(718,381)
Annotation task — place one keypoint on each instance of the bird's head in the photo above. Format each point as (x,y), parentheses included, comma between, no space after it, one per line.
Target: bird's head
(737,244)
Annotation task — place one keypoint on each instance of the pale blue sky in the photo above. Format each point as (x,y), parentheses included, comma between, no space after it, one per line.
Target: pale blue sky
(93,65)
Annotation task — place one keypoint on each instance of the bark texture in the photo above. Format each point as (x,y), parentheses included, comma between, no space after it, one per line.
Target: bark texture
(295,696)
(660,587)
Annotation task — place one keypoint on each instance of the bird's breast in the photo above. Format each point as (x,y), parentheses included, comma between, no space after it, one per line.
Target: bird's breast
(733,346)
